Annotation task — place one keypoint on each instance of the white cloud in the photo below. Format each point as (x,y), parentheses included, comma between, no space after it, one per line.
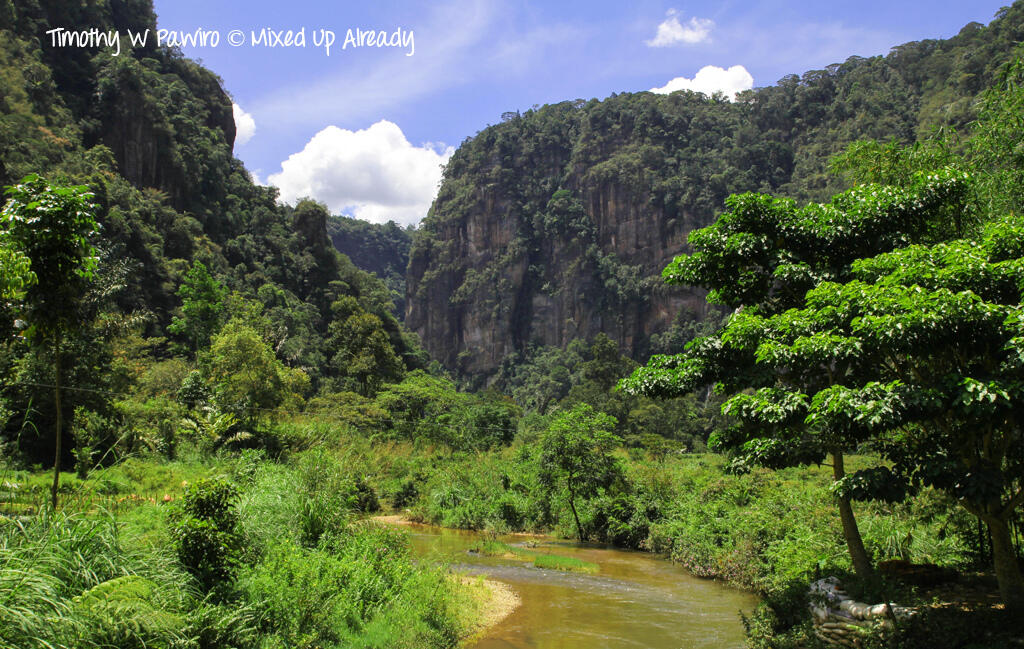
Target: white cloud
(373,174)
(711,79)
(672,32)
(245,125)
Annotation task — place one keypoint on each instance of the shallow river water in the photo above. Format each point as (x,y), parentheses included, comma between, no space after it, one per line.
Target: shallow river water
(635,600)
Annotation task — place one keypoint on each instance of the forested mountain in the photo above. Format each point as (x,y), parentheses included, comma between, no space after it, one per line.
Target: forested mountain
(555,224)
(151,135)
(382,249)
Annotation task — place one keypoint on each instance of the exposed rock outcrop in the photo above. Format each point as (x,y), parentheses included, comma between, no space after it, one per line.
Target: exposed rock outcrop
(839,620)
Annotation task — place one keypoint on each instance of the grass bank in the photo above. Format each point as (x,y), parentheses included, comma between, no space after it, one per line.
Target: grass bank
(537,558)
(243,553)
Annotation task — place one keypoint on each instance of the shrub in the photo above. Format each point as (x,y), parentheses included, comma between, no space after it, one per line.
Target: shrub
(204,535)
(90,430)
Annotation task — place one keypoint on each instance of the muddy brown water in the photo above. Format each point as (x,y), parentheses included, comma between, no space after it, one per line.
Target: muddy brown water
(635,600)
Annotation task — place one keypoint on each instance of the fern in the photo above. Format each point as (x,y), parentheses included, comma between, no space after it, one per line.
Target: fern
(121,612)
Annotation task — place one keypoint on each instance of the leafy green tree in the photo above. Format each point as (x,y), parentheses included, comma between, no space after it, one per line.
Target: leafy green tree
(927,343)
(606,364)
(202,307)
(247,377)
(483,421)
(421,407)
(760,258)
(543,375)
(53,226)
(362,350)
(576,453)
(931,339)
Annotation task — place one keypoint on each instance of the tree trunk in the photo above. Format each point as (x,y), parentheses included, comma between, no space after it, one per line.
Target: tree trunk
(572,506)
(56,400)
(1011,584)
(859,556)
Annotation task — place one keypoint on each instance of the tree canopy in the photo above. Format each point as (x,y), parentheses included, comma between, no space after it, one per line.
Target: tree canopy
(202,307)
(915,352)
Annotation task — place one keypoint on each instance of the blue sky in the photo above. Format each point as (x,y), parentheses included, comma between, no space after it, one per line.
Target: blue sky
(366,129)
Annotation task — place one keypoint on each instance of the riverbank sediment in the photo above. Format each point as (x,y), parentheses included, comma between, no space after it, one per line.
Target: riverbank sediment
(496,602)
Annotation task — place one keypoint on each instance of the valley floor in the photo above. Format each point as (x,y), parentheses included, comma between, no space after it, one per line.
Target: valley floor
(306,575)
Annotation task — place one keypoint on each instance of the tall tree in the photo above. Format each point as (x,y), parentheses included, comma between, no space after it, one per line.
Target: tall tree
(928,346)
(362,353)
(53,225)
(576,454)
(760,258)
(937,335)
(247,377)
(202,307)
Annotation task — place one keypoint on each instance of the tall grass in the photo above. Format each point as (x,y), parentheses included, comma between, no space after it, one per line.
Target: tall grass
(310,576)
(64,578)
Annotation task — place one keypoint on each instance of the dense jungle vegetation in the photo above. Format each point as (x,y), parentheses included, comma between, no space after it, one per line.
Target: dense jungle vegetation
(201,399)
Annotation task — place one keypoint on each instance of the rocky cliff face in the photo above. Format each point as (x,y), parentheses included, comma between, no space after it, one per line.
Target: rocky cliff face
(549,295)
(141,113)
(541,235)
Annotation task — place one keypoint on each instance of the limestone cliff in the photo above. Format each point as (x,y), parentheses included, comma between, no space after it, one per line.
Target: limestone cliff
(546,230)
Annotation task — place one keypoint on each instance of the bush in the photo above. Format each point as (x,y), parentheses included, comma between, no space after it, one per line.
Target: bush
(204,535)
(90,431)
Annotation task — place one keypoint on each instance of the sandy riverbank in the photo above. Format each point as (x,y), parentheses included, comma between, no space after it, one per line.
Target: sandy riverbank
(495,600)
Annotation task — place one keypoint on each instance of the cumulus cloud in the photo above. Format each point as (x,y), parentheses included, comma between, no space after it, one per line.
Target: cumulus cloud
(245,125)
(373,173)
(711,79)
(672,32)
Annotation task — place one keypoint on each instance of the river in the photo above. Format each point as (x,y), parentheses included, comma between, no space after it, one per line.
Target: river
(635,600)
